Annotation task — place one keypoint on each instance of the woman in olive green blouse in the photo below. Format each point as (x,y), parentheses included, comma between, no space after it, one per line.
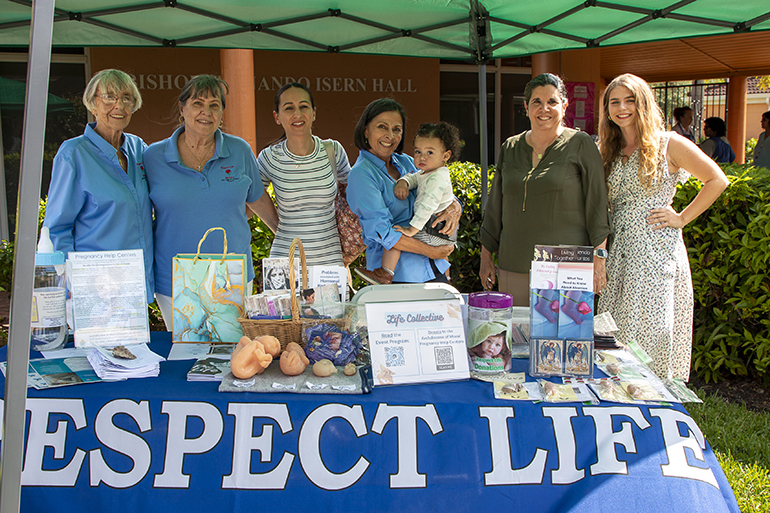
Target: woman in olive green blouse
(548,189)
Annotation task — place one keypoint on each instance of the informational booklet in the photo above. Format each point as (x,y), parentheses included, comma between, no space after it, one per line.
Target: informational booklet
(318,275)
(196,351)
(417,342)
(109,301)
(58,372)
(209,368)
(561,311)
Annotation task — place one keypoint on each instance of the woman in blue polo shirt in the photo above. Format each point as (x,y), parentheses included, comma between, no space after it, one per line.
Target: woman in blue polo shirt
(202,178)
(98,198)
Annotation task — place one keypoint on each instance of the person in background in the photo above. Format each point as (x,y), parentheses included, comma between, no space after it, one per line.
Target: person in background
(201,178)
(717,146)
(98,199)
(379,136)
(548,189)
(649,289)
(762,149)
(305,181)
(683,117)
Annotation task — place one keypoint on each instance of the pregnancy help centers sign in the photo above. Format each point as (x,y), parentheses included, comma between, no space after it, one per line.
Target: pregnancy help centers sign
(416,342)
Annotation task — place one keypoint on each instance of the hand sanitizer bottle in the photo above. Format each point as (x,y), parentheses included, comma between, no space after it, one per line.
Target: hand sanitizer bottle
(49,295)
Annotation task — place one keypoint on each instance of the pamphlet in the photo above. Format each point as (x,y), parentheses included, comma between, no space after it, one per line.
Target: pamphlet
(109,301)
(561,311)
(417,342)
(46,373)
(119,362)
(209,368)
(318,275)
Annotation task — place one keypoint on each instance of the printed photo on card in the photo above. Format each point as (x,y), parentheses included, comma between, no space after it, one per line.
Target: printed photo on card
(578,359)
(549,356)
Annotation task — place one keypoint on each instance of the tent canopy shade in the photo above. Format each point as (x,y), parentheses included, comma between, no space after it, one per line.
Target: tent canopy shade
(13,92)
(455,29)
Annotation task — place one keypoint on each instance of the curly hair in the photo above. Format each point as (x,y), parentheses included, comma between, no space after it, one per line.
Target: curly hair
(649,125)
(447,133)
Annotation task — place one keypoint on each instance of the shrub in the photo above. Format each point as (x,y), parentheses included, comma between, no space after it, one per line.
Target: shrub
(466,258)
(729,248)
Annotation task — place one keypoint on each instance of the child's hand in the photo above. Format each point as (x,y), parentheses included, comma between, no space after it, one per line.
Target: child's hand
(408,231)
(401,190)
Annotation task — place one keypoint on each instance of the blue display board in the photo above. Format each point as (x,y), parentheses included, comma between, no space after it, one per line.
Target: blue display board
(159,443)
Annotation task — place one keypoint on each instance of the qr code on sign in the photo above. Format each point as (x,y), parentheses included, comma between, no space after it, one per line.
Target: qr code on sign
(444,358)
(394,356)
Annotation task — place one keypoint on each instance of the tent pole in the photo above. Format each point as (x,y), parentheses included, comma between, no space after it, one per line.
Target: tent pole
(4,232)
(484,136)
(30,173)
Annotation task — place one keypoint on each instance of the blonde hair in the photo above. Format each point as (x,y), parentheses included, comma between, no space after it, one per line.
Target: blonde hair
(649,125)
(111,81)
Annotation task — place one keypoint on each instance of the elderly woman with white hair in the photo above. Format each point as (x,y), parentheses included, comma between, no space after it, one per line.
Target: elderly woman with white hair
(98,199)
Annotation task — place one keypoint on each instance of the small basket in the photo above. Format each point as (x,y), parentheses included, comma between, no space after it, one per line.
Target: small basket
(289,330)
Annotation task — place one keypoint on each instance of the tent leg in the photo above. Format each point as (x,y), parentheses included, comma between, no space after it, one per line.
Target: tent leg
(483,134)
(14,414)
(4,232)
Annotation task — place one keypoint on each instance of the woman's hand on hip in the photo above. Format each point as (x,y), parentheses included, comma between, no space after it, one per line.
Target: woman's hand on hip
(665,217)
(488,270)
(451,215)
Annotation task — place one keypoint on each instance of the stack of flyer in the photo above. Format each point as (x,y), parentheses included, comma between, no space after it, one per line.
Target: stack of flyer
(561,311)
(121,362)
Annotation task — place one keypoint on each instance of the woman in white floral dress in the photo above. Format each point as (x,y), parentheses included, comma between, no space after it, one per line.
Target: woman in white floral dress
(649,289)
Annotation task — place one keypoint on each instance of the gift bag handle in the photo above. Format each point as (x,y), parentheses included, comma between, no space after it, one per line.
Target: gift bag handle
(224,252)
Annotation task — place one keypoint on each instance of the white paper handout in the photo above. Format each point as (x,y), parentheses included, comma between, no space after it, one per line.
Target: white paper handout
(318,275)
(417,342)
(137,361)
(109,301)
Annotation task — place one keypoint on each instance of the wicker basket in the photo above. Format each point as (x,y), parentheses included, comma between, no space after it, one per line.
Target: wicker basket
(289,330)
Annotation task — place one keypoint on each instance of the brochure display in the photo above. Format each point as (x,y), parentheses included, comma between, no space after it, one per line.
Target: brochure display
(416,342)
(561,311)
(109,302)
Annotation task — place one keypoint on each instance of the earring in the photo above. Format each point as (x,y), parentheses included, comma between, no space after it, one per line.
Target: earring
(181,119)
(221,124)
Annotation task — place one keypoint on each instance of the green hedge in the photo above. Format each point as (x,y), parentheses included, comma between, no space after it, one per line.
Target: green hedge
(729,248)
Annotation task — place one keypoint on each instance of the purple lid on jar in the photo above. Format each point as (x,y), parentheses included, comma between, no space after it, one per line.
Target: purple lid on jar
(490,300)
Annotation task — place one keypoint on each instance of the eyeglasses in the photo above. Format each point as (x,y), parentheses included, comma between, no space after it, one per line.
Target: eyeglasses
(128,101)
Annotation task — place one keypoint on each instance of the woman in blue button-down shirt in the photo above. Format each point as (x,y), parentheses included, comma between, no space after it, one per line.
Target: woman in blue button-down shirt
(98,199)
(379,135)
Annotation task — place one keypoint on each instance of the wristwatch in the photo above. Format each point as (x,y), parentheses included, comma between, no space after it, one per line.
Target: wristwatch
(600,252)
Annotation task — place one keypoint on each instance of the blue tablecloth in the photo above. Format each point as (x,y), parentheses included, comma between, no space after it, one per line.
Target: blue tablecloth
(158,443)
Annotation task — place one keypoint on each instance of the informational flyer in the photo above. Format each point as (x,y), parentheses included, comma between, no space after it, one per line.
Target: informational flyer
(417,342)
(109,301)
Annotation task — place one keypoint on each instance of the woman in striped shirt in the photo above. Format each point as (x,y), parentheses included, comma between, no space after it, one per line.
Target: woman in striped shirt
(304,179)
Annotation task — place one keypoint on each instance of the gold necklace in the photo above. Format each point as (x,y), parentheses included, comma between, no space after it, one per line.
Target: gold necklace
(201,161)
(532,144)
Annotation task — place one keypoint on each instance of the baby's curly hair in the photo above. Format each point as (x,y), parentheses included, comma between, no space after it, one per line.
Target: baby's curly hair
(447,133)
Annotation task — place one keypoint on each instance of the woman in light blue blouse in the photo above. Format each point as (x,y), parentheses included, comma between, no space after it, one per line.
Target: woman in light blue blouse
(98,199)
(379,135)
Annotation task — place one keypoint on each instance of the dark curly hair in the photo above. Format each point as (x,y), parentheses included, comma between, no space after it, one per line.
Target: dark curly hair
(447,133)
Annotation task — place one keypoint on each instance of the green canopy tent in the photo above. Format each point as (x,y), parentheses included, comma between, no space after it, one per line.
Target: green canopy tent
(449,29)
(12,97)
